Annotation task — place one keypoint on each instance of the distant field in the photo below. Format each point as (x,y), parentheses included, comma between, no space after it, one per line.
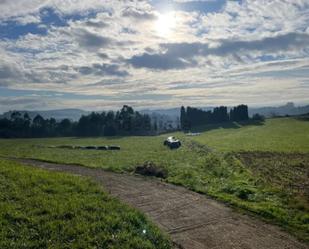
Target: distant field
(40,209)
(209,163)
(279,134)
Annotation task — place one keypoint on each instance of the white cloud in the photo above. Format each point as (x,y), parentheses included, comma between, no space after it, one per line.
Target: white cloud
(28,19)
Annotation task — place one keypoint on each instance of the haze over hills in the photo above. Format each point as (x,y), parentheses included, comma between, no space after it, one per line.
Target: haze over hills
(167,116)
(288,109)
(72,114)
(268,111)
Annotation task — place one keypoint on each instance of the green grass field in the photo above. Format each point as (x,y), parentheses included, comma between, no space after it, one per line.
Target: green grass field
(209,163)
(40,209)
(279,135)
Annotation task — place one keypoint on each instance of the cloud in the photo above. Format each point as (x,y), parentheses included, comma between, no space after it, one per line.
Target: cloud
(189,1)
(20,101)
(96,24)
(114,49)
(290,41)
(103,70)
(20,7)
(159,61)
(65,7)
(28,19)
(9,71)
(181,55)
(91,41)
(139,14)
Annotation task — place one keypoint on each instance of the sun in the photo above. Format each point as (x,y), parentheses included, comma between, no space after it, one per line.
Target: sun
(165,24)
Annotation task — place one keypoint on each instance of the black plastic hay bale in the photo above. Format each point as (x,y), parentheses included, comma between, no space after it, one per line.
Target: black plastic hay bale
(90,147)
(114,147)
(102,148)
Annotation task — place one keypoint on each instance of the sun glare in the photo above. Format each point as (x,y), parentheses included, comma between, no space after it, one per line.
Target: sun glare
(165,24)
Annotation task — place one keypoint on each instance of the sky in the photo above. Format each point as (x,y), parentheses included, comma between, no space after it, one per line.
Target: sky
(150,54)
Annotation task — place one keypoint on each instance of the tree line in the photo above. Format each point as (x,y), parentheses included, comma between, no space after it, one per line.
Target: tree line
(191,117)
(123,122)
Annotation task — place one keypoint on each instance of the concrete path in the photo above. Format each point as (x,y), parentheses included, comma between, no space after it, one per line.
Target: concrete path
(193,221)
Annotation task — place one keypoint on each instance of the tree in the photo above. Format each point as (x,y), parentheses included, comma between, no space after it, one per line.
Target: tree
(6,128)
(15,115)
(193,117)
(38,126)
(110,124)
(65,128)
(155,126)
(81,128)
(18,128)
(38,121)
(109,130)
(185,121)
(26,125)
(239,113)
(182,117)
(146,122)
(124,122)
(126,114)
(220,114)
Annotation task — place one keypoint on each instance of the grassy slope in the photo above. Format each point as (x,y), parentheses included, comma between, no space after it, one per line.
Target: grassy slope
(281,134)
(217,173)
(40,209)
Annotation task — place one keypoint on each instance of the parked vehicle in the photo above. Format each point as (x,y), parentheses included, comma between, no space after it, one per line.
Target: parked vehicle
(172,143)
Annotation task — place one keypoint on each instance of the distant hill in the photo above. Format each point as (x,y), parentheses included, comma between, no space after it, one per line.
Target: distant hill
(168,116)
(72,114)
(269,111)
(288,109)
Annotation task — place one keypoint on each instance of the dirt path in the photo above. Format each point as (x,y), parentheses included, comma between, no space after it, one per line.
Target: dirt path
(192,220)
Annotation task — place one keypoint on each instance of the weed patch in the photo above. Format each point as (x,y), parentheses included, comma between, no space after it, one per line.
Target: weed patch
(151,169)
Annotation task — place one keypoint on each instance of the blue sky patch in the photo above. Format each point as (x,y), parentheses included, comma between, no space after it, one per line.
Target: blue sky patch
(201,6)
(13,29)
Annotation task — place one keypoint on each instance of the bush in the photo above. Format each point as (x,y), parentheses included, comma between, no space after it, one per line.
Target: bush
(150,169)
(244,193)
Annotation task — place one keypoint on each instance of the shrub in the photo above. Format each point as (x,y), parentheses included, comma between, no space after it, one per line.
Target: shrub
(150,169)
